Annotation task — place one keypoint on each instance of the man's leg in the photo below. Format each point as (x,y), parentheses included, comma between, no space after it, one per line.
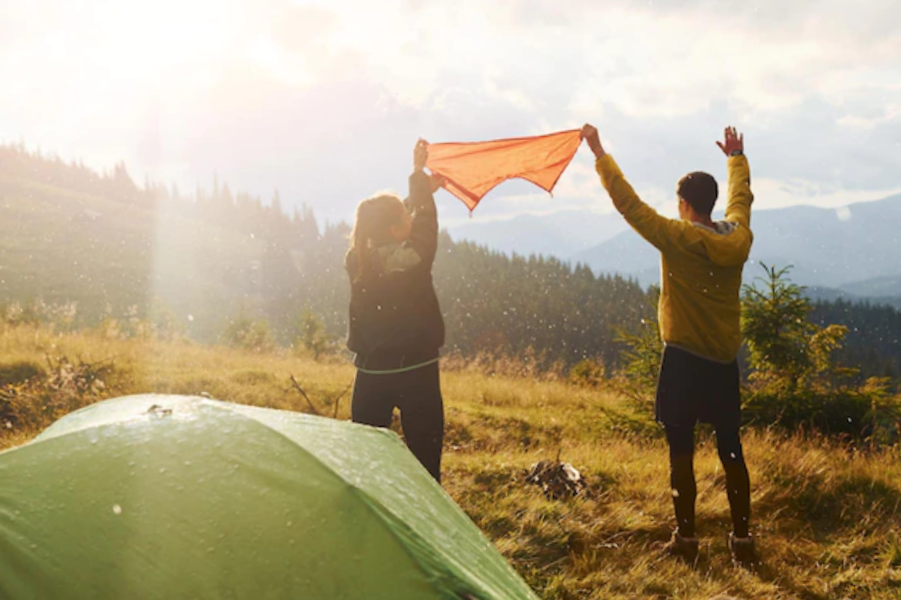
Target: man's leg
(738,483)
(682,477)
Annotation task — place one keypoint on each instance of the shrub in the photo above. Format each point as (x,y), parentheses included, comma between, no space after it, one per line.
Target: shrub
(312,335)
(796,383)
(864,413)
(65,386)
(19,372)
(587,373)
(243,332)
(642,356)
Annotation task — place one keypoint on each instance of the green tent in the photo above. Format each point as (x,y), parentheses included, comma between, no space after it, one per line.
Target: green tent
(175,497)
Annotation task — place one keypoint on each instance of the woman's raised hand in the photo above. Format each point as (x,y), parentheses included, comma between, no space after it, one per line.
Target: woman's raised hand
(420,154)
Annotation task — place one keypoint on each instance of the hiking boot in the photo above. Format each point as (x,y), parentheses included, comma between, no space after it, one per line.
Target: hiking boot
(684,548)
(743,552)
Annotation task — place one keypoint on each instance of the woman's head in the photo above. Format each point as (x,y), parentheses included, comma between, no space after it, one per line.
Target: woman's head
(381,219)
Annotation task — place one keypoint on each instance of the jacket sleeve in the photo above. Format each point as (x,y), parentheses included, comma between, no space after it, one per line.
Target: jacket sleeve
(424,233)
(656,229)
(738,207)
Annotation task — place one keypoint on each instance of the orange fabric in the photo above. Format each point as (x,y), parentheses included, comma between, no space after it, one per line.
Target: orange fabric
(473,169)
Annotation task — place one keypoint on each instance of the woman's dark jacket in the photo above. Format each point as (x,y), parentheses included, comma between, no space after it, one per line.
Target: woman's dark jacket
(395,320)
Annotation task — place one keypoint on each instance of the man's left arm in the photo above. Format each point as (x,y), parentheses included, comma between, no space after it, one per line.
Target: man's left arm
(738,205)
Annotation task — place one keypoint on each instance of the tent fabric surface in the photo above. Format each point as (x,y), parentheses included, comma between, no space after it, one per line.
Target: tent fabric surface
(473,169)
(182,497)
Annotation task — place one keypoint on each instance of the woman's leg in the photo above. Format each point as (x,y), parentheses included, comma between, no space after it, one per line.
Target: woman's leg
(371,402)
(422,416)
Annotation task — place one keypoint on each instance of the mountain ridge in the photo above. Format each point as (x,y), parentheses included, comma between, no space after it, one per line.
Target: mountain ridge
(853,248)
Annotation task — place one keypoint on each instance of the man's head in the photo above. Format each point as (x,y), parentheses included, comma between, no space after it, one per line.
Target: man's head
(697,191)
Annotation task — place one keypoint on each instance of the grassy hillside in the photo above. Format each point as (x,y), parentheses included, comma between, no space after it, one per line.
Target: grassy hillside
(826,516)
(65,246)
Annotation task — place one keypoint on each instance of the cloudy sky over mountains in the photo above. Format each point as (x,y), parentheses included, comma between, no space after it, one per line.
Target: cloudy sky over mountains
(324,99)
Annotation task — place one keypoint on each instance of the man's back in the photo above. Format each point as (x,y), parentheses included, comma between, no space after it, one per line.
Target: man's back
(701,267)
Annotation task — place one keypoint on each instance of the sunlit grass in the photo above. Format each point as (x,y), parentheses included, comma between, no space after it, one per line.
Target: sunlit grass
(826,516)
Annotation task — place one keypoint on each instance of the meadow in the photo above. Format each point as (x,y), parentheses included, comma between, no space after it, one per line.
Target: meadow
(825,511)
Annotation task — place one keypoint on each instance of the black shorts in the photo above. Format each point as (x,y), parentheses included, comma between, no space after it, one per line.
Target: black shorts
(692,389)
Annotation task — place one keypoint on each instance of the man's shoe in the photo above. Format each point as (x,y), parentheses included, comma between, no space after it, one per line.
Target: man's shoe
(684,548)
(744,554)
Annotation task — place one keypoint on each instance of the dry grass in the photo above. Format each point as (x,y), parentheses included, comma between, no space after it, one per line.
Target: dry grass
(826,516)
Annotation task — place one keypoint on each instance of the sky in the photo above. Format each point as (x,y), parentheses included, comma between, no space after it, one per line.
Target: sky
(324,100)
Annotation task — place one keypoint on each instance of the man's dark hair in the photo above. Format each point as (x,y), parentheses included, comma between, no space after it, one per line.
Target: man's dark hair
(699,189)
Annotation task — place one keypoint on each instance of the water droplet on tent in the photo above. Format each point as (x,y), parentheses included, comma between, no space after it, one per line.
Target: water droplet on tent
(675,493)
(117,509)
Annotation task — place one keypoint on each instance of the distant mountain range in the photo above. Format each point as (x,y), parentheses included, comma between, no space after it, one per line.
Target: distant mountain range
(561,234)
(853,252)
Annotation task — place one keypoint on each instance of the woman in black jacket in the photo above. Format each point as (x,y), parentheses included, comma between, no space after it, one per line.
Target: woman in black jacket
(395,326)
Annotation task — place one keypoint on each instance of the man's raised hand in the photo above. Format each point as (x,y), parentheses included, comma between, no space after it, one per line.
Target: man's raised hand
(734,142)
(590,134)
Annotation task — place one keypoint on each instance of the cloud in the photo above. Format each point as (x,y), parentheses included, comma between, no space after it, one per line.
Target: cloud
(324,99)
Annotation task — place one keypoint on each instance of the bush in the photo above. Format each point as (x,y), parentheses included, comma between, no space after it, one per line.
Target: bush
(796,383)
(19,372)
(37,312)
(65,386)
(644,351)
(312,335)
(866,413)
(243,332)
(587,373)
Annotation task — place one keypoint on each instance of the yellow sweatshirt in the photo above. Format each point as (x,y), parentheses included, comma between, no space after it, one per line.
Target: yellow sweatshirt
(700,267)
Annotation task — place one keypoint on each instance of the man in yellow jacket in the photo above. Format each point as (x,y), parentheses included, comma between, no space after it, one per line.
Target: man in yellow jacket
(699,312)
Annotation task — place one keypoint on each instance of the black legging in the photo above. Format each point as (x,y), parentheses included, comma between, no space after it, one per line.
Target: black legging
(417,394)
(682,478)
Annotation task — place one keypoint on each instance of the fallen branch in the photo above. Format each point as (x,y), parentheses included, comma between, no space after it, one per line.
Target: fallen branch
(339,396)
(304,394)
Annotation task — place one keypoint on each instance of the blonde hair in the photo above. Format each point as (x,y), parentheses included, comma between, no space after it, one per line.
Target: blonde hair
(372,224)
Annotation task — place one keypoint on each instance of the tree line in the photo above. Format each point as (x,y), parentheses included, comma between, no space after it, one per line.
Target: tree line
(492,302)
